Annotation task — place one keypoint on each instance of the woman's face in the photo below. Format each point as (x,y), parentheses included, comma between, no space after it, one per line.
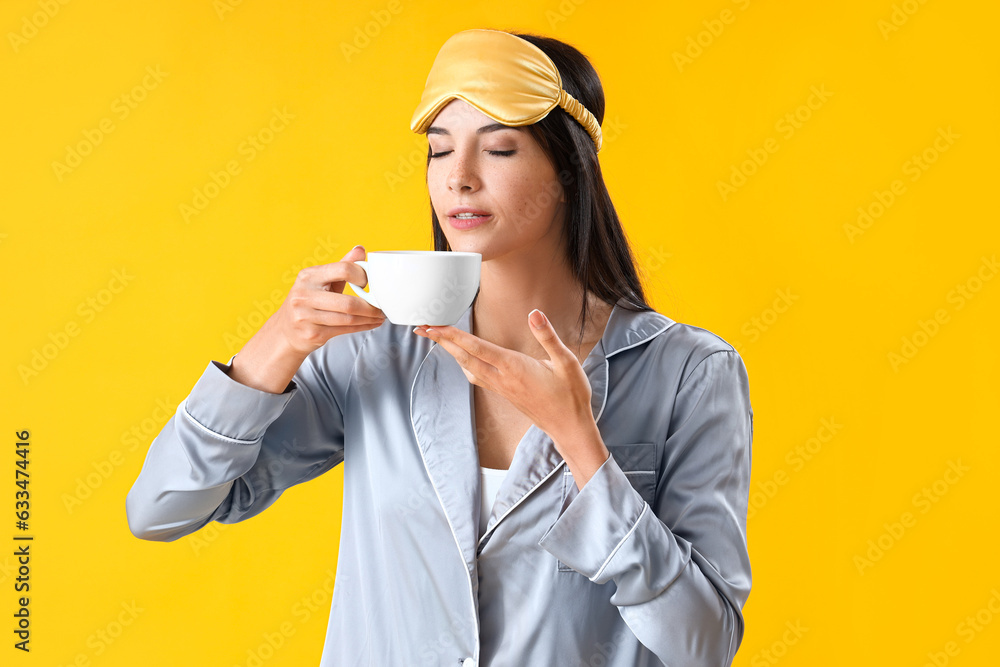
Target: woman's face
(499,171)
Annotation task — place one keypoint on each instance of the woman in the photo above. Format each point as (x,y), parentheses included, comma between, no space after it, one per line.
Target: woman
(561,478)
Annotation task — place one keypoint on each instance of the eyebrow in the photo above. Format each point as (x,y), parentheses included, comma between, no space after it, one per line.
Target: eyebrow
(492,127)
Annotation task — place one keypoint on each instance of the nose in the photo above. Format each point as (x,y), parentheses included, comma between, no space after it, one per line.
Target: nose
(463,175)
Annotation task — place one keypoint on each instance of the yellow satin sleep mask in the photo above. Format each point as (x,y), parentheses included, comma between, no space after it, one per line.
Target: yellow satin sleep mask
(507,78)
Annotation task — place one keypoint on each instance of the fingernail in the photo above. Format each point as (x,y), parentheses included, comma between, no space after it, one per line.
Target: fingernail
(537,319)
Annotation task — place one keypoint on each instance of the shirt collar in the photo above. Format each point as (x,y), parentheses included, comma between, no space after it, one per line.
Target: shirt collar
(441,407)
(625,328)
(628,328)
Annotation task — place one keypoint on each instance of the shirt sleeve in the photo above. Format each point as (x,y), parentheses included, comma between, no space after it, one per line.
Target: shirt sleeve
(231,450)
(681,566)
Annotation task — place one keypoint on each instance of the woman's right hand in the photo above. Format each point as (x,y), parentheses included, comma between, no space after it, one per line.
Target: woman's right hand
(315,310)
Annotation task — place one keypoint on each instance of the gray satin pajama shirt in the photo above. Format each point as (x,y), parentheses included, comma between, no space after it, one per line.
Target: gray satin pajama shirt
(647,565)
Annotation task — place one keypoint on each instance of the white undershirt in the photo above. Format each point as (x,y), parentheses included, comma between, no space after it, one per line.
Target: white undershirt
(491,479)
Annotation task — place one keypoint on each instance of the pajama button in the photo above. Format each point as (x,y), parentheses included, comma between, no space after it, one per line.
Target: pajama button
(468,662)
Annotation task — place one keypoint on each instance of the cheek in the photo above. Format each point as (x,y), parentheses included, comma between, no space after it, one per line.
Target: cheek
(538,199)
(435,187)
(521,191)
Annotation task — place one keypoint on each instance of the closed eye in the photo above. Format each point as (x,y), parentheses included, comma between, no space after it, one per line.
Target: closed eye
(500,153)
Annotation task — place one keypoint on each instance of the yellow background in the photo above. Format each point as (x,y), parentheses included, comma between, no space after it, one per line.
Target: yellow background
(774,267)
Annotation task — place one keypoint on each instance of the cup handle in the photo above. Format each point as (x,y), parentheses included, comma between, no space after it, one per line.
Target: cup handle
(367,296)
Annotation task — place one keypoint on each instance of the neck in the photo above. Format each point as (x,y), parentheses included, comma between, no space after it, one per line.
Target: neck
(513,285)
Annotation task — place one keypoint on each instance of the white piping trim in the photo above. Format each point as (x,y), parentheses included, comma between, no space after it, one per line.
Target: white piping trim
(468,575)
(183,408)
(520,500)
(645,507)
(604,398)
(607,370)
(640,342)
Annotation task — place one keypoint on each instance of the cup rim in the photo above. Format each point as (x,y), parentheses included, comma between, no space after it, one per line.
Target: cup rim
(419,253)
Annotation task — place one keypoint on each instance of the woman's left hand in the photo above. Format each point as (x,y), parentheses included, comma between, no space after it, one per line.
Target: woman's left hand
(555,392)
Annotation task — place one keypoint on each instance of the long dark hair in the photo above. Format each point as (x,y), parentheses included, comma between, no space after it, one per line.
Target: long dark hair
(599,253)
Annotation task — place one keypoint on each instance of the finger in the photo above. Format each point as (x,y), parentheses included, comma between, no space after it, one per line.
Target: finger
(334,319)
(481,369)
(546,334)
(492,354)
(342,303)
(352,328)
(334,276)
(323,333)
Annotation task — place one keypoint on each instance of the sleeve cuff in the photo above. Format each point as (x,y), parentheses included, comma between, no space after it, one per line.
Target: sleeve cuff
(230,409)
(599,520)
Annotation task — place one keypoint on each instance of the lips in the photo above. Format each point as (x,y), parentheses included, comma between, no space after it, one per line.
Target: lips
(468,223)
(473,217)
(466,209)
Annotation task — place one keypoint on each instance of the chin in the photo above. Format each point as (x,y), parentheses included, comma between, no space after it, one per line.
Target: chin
(467,246)
(458,243)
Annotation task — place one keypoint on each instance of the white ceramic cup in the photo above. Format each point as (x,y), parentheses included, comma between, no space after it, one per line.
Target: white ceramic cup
(421,286)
